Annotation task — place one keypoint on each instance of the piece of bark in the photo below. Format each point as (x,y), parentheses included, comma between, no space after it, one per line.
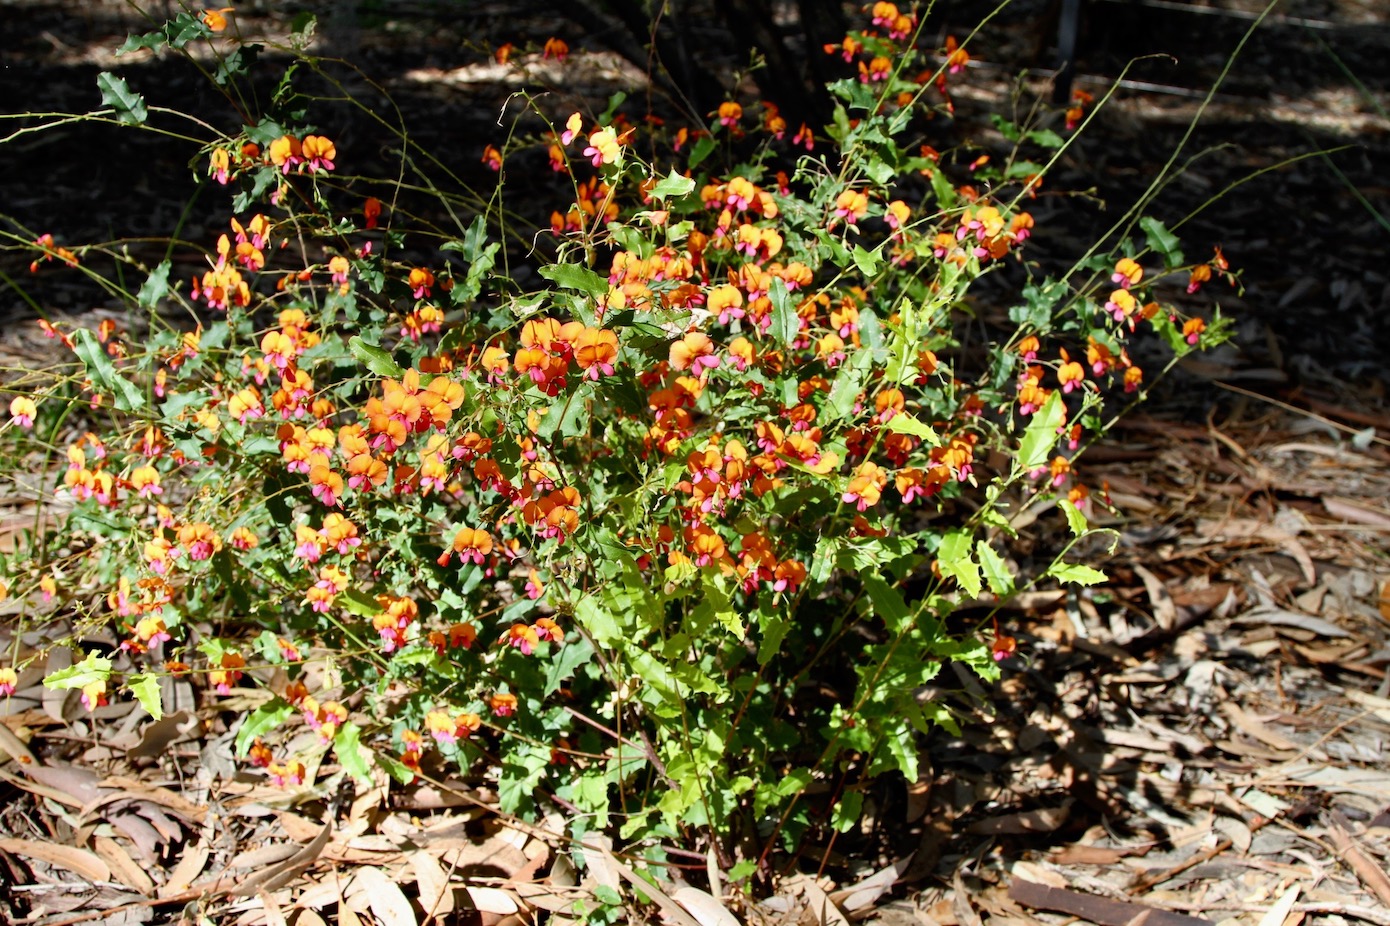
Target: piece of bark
(1099,910)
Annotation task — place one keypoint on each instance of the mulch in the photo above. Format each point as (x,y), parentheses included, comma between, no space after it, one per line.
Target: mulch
(1200,740)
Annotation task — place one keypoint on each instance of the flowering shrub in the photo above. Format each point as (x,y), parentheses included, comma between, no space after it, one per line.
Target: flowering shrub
(594,539)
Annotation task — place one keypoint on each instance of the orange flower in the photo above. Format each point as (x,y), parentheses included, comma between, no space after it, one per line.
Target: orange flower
(216,20)
(555,48)
(521,637)
(866,487)
(327,485)
(199,540)
(420,281)
(604,147)
(594,352)
(1192,330)
(503,704)
(1127,273)
(220,165)
(471,545)
(851,205)
(956,57)
(22,411)
(729,114)
(492,158)
(1070,375)
(1121,304)
(286,152)
(1200,274)
(228,672)
(693,352)
(318,152)
(547,629)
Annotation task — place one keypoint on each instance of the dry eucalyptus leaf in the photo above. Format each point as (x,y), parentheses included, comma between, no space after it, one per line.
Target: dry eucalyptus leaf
(123,867)
(383,897)
(704,906)
(78,861)
(491,900)
(432,881)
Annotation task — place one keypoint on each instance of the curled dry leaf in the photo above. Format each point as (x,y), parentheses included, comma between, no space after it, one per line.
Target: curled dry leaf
(819,902)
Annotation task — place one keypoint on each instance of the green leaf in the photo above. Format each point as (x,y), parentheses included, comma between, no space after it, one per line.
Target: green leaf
(742,870)
(953,559)
(374,358)
(868,262)
(1075,519)
(573,276)
(703,148)
(717,605)
(1041,434)
(1162,240)
(607,896)
(1076,574)
(1046,138)
(996,571)
(156,286)
(794,782)
(900,745)
(572,655)
(352,755)
(848,810)
(129,106)
(844,391)
(184,29)
(887,602)
(774,632)
(396,769)
(78,675)
(570,417)
(102,371)
(358,602)
(785,322)
(260,722)
(673,185)
(598,619)
(1023,169)
(237,64)
(151,40)
(905,423)
(145,687)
